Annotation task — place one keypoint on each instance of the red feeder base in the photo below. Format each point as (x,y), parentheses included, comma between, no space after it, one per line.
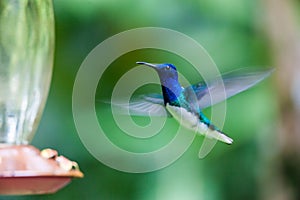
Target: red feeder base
(26,170)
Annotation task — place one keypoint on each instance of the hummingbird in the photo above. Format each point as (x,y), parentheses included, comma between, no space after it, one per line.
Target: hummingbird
(185,104)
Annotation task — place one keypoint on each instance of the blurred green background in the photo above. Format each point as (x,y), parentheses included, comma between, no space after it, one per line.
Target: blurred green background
(233,34)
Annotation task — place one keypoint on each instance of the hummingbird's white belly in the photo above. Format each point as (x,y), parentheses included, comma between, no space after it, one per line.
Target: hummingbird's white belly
(187,119)
(192,122)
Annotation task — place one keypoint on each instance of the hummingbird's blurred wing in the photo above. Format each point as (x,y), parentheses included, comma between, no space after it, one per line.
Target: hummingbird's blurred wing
(227,86)
(220,89)
(143,105)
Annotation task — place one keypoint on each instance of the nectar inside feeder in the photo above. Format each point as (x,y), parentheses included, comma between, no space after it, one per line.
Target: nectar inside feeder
(26,58)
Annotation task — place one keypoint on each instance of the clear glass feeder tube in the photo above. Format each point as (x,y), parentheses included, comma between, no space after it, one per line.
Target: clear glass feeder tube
(26,59)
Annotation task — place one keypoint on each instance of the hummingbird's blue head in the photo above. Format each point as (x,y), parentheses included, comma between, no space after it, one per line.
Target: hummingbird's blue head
(169,80)
(166,71)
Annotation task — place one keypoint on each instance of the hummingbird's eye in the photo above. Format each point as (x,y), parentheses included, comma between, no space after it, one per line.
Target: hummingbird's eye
(167,67)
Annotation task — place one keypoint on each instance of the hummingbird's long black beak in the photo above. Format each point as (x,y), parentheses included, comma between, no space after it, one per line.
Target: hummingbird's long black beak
(147,64)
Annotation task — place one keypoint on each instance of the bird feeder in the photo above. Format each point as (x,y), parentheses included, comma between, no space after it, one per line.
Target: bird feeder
(26,58)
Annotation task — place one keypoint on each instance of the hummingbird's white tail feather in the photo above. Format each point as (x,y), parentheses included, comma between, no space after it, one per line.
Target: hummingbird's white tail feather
(219,136)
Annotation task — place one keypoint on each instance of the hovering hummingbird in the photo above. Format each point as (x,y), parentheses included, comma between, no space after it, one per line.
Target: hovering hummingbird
(186,104)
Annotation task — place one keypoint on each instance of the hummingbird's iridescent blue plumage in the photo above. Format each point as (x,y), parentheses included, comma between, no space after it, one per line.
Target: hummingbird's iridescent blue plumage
(186,104)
